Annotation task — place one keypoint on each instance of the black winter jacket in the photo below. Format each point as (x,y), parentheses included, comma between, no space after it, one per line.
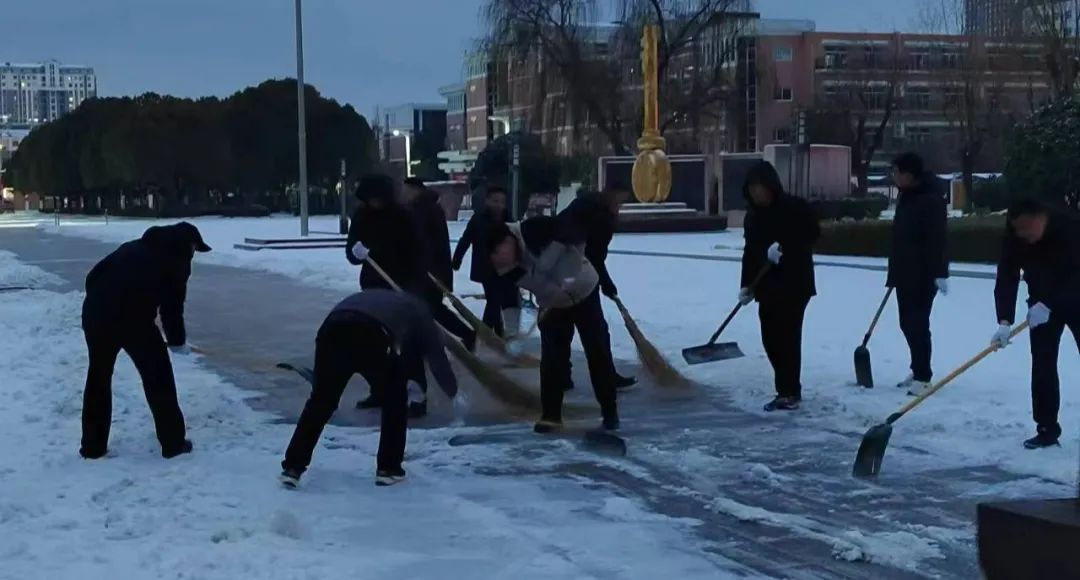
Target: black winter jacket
(919,237)
(140,279)
(791,222)
(1051,269)
(392,237)
(590,214)
(475,236)
(431,222)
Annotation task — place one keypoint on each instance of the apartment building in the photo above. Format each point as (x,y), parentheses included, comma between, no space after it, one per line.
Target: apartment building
(33,94)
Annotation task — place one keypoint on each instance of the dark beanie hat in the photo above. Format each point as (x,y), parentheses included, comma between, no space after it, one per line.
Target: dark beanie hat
(375,186)
(909,163)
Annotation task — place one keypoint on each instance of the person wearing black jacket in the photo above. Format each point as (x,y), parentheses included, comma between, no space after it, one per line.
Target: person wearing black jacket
(499,294)
(596,214)
(385,336)
(780,232)
(1045,247)
(435,241)
(918,264)
(125,292)
(387,232)
(384,230)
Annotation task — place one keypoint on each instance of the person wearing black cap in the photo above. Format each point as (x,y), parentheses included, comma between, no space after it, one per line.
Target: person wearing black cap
(386,336)
(502,299)
(1042,246)
(918,263)
(125,293)
(780,232)
(384,230)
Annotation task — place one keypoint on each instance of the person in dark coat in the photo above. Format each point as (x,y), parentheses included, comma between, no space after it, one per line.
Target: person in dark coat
(384,229)
(499,294)
(918,262)
(435,241)
(1044,247)
(596,214)
(780,232)
(386,336)
(125,293)
(546,256)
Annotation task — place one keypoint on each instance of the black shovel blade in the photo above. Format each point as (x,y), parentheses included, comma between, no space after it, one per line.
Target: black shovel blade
(605,442)
(864,376)
(305,373)
(706,353)
(872,451)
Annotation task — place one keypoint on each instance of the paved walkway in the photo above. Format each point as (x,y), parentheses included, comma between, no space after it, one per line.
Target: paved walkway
(771,495)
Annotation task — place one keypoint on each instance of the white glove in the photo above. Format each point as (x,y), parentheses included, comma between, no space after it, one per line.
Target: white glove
(745,296)
(416,393)
(360,251)
(182,349)
(1001,337)
(942,286)
(774,253)
(461,407)
(1038,315)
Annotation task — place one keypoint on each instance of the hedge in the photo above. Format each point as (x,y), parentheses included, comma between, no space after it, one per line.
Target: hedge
(974,239)
(869,207)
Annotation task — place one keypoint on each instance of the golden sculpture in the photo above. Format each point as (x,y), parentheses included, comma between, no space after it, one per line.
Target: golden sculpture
(652,169)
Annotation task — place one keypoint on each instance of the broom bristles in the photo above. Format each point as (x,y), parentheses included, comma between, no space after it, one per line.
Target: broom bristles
(519,398)
(484,332)
(651,358)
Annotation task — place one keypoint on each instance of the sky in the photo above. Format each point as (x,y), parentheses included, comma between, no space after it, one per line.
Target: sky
(364,52)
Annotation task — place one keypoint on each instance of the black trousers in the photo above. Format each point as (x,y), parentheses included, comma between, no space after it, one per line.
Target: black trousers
(147,350)
(499,295)
(781,334)
(1045,384)
(346,346)
(914,305)
(556,332)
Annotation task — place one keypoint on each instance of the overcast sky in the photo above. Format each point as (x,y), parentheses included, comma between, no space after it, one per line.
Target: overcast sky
(364,52)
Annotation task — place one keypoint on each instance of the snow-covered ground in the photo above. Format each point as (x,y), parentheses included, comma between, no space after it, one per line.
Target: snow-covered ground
(982,416)
(219,513)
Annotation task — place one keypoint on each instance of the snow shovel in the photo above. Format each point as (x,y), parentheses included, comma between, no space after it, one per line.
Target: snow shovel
(864,377)
(872,450)
(713,351)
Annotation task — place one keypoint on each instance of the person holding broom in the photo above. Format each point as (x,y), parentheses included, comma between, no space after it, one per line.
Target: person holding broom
(596,214)
(501,298)
(918,262)
(780,231)
(386,336)
(546,256)
(1045,246)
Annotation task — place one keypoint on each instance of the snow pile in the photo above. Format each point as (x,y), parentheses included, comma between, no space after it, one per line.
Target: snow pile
(14,274)
(220,514)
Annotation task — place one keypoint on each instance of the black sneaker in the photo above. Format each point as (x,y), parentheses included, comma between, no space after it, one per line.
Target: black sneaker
(611,422)
(371,402)
(388,477)
(184,447)
(544,426)
(418,410)
(783,404)
(625,383)
(1041,441)
(92,454)
(290,478)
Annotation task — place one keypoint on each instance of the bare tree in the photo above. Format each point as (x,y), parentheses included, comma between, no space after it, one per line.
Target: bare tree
(596,67)
(1056,25)
(857,108)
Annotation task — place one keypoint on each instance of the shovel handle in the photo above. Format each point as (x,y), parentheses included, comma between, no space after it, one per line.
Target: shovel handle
(383,273)
(877,316)
(963,368)
(757,279)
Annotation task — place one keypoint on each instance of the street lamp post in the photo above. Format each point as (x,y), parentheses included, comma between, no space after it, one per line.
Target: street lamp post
(408,149)
(301,120)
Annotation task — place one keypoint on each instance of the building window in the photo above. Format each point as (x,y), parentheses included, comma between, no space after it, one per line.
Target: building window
(782,54)
(950,59)
(835,57)
(954,97)
(920,59)
(875,98)
(919,98)
(918,135)
(873,56)
(782,135)
(782,93)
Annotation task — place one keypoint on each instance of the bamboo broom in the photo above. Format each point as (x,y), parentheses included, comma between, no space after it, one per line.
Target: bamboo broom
(650,356)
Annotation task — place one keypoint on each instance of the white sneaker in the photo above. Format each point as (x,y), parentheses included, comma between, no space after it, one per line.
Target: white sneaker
(917,388)
(906,383)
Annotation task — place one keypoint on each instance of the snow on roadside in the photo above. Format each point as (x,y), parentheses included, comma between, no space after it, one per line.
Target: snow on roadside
(14,274)
(219,512)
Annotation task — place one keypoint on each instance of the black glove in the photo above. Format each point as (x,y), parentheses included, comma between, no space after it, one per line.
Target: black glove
(609,290)
(456,265)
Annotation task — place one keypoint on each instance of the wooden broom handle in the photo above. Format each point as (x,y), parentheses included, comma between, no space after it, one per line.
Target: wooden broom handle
(383,273)
(963,368)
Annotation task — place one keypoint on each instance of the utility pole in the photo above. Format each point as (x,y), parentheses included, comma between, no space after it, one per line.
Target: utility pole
(302,120)
(515,176)
(343,223)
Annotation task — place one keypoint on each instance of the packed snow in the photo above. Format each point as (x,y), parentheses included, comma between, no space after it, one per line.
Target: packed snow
(220,514)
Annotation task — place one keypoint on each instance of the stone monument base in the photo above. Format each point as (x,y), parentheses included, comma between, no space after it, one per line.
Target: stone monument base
(671,217)
(1025,540)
